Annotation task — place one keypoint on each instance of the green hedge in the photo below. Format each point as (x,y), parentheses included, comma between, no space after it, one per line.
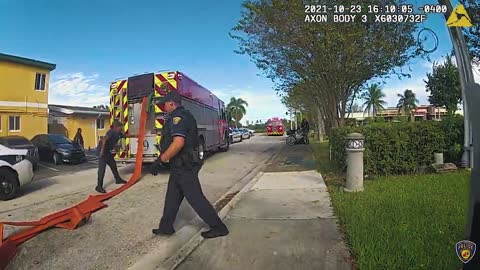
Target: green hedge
(402,148)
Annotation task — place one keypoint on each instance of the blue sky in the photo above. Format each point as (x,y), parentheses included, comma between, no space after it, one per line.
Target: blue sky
(94,42)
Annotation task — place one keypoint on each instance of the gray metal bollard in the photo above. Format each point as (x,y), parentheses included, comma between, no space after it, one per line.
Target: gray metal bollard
(355,148)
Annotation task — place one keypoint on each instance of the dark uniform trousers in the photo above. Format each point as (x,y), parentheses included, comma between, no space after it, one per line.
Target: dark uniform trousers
(185,183)
(103,161)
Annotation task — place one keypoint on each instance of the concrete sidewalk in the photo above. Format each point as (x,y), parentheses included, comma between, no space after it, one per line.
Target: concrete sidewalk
(285,221)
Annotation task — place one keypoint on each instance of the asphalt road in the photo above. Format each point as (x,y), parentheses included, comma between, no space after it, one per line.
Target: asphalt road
(117,236)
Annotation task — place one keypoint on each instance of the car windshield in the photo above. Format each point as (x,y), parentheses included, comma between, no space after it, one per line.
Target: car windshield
(59,139)
(16,141)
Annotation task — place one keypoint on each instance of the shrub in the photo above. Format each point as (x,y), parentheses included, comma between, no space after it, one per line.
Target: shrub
(453,126)
(401,148)
(379,120)
(401,118)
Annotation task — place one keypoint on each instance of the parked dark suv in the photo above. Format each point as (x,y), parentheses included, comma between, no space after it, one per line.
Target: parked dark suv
(58,148)
(20,142)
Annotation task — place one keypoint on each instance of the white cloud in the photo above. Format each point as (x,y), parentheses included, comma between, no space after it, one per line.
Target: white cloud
(262,104)
(78,89)
(427,65)
(415,84)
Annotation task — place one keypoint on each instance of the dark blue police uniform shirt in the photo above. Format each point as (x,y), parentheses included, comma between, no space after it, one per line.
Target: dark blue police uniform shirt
(178,126)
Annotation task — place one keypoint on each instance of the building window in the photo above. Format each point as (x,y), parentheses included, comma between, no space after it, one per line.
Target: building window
(14,123)
(40,81)
(100,123)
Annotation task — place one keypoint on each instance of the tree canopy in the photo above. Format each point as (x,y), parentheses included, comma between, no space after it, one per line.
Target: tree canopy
(472,35)
(444,85)
(324,65)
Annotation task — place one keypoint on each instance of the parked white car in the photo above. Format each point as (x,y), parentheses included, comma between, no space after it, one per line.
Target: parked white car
(235,136)
(252,132)
(15,171)
(244,131)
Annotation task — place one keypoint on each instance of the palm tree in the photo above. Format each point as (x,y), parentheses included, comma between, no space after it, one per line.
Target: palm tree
(374,99)
(236,108)
(407,103)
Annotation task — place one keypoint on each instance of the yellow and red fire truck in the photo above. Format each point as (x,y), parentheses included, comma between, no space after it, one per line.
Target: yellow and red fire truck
(275,126)
(125,105)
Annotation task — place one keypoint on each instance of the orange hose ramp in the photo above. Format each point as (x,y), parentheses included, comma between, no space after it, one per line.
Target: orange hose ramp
(73,217)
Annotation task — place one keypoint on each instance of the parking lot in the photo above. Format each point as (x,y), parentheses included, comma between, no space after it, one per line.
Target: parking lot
(48,169)
(48,174)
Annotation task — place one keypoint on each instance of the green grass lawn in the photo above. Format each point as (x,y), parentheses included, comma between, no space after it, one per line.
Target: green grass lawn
(401,222)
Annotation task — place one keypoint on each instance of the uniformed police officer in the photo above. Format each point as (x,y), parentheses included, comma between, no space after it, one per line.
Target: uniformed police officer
(179,147)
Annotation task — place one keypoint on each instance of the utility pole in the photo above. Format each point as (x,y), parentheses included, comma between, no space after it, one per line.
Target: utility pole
(466,77)
(471,99)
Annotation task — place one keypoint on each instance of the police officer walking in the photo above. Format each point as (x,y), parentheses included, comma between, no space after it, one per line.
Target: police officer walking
(106,154)
(179,147)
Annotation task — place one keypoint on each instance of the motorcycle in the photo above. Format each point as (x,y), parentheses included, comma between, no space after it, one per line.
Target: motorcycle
(296,137)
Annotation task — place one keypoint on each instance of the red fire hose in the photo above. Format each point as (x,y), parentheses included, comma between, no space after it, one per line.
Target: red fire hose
(73,217)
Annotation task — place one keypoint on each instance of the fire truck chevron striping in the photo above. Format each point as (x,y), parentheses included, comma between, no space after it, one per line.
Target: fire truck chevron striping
(119,110)
(275,127)
(209,111)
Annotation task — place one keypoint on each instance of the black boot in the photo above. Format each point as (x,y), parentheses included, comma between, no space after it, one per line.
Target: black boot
(215,232)
(162,232)
(100,190)
(120,181)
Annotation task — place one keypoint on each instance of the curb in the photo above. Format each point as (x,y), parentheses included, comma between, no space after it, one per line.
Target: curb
(197,239)
(154,260)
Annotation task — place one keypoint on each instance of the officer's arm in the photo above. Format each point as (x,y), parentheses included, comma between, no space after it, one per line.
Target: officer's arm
(179,132)
(104,140)
(175,147)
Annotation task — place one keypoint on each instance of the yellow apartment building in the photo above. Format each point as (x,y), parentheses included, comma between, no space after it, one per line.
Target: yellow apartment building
(67,119)
(23,95)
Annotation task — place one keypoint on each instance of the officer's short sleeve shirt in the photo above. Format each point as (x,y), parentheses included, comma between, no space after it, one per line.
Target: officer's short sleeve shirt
(179,126)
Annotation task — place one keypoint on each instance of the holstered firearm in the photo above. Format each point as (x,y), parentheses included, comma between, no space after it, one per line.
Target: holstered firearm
(196,156)
(188,159)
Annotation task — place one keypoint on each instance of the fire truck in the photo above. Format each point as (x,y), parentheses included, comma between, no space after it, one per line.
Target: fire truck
(126,97)
(275,127)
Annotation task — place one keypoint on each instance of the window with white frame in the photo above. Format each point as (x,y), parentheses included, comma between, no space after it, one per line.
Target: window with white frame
(100,123)
(40,79)
(14,123)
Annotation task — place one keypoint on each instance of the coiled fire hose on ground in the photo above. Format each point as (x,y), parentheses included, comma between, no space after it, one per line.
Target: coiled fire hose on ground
(75,216)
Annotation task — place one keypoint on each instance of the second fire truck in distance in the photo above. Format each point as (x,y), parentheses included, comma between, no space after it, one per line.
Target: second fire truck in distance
(275,127)
(125,105)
